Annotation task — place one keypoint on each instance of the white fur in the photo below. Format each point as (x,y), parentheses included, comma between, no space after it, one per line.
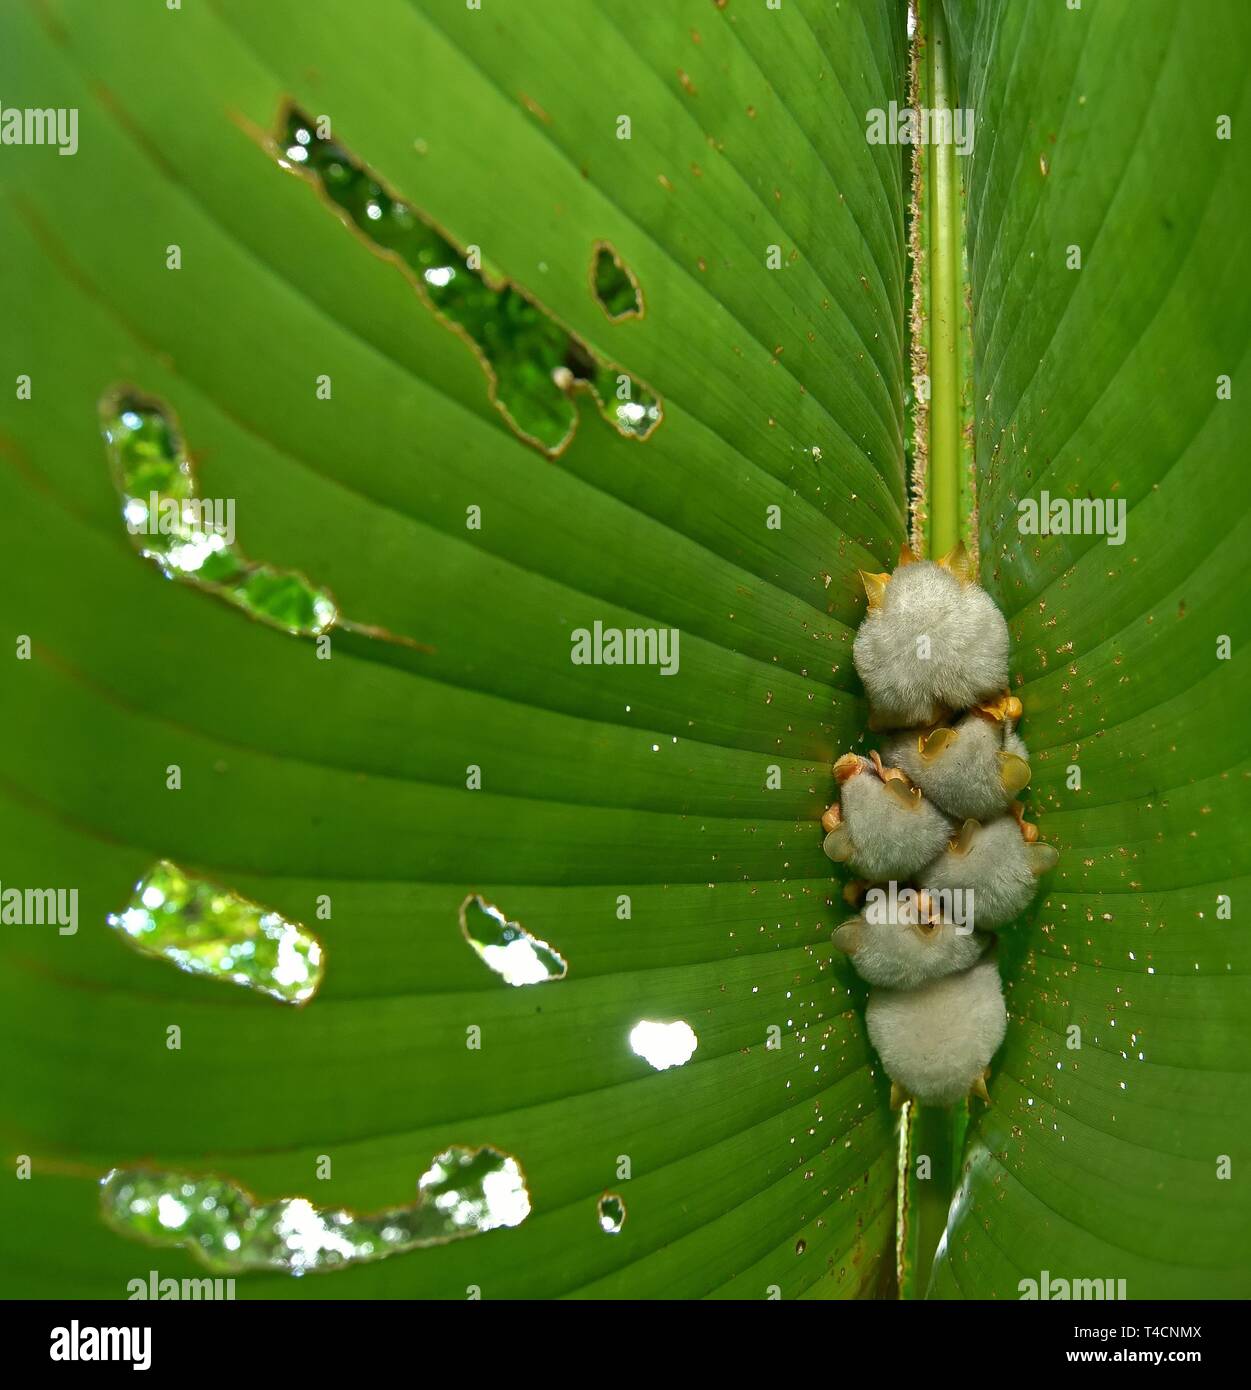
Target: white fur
(968,647)
(903,954)
(965,779)
(999,867)
(887,839)
(935,1041)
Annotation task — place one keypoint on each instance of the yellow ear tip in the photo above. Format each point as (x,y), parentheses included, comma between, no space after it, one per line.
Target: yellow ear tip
(964,841)
(874,587)
(908,797)
(932,744)
(958,561)
(846,938)
(1014,773)
(907,556)
(838,846)
(1043,858)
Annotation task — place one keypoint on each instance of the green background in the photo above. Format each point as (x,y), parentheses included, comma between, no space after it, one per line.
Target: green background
(751,1168)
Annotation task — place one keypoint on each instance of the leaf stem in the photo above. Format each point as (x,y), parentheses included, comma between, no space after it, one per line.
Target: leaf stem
(943,485)
(931,1140)
(943,208)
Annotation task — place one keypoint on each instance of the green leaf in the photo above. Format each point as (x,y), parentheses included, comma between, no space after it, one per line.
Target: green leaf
(747,1168)
(1097,128)
(658,835)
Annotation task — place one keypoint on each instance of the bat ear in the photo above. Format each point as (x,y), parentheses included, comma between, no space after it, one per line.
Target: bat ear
(838,846)
(1014,773)
(932,744)
(908,797)
(847,937)
(874,588)
(907,556)
(1042,859)
(964,841)
(959,562)
(896,782)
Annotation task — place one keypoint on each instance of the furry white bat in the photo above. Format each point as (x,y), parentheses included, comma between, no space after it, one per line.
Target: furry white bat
(884,828)
(997,863)
(931,642)
(972,770)
(908,951)
(936,1041)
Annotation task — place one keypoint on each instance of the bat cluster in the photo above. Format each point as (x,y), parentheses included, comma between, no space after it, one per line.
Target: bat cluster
(934,817)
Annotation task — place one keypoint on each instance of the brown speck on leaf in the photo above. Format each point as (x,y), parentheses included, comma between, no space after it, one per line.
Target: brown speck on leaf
(1043,165)
(534,108)
(687,85)
(663,181)
(702,264)
(751,111)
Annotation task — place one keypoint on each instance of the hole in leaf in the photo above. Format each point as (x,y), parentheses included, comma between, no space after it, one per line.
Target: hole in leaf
(465,1192)
(531,361)
(191,538)
(612,1213)
(664,1045)
(510,950)
(614,284)
(205,929)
